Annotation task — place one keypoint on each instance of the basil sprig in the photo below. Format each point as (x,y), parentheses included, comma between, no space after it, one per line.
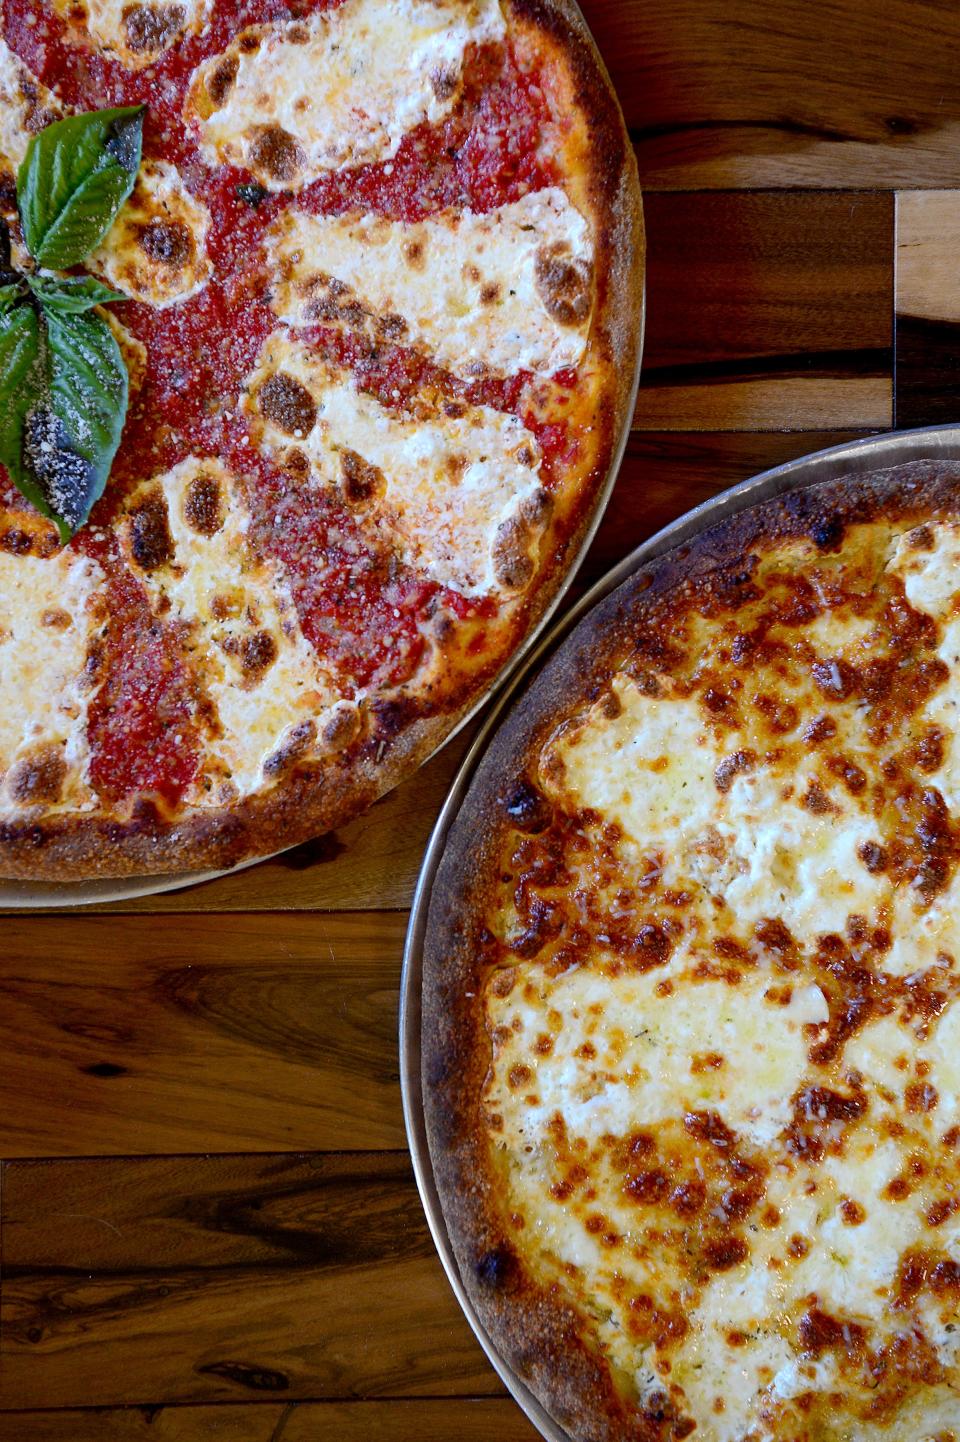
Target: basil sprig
(63,381)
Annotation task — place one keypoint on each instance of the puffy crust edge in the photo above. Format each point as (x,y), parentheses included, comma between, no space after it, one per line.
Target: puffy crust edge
(542,1336)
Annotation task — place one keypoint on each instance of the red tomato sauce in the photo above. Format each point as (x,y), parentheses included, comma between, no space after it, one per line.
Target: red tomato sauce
(362,609)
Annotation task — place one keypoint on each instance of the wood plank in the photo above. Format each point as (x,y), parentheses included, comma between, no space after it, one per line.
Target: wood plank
(768,311)
(225,1278)
(460,1420)
(664,475)
(225,1423)
(746,93)
(928,308)
(226,1033)
(468,1419)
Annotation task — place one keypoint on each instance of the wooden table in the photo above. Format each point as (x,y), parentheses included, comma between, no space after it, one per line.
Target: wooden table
(209,1224)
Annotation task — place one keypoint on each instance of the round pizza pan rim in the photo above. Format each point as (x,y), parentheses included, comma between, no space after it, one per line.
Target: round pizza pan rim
(862,456)
(50,895)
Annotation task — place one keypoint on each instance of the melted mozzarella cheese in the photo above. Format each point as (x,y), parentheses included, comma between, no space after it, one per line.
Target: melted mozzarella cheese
(256,668)
(156,249)
(642,1070)
(724,1014)
(26,107)
(137,33)
(291,100)
(459,493)
(46,624)
(509,290)
(754,847)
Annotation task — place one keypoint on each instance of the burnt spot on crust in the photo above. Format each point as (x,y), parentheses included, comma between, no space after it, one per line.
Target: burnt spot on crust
(564,284)
(732,766)
(288,404)
(513,563)
(257,654)
(151,28)
(295,745)
(168,242)
(38,779)
(274,152)
(220,79)
(342,727)
(444,82)
(495,1269)
(359,480)
(203,504)
(827,534)
(151,543)
(527,807)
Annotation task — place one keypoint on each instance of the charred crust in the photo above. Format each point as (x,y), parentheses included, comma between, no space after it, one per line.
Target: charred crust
(151,543)
(38,778)
(274,152)
(150,28)
(359,480)
(168,242)
(564,284)
(298,742)
(288,404)
(203,504)
(221,78)
(258,651)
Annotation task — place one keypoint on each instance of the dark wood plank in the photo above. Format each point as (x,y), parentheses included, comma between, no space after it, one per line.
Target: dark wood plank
(221,1033)
(928,308)
(225,1423)
(206,1278)
(468,1419)
(664,475)
(768,311)
(803,92)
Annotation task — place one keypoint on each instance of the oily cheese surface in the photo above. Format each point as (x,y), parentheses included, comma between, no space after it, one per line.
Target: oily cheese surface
(707,1000)
(380,293)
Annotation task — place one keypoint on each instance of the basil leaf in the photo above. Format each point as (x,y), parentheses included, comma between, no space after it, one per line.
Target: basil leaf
(63,401)
(22,382)
(75,176)
(72,435)
(71,294)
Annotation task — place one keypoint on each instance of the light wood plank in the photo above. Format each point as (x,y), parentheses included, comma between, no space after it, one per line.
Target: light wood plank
(225,1278)
(818,403)
(749,93)
(218,1033)
(928,308)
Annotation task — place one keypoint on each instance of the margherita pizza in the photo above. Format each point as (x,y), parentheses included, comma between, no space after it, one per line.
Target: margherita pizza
(382,266)
(692,990)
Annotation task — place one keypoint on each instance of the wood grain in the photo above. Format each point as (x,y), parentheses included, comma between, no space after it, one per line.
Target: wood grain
(467,1419)
(821,93)
(251,1423)
(224,1278)
(229,1033)
(767,311)
(928,308)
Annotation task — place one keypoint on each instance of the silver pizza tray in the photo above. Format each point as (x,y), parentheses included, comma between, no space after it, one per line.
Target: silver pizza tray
(855,458)
(45,895)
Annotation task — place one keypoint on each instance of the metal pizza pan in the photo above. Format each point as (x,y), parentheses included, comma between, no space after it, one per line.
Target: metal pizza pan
(854,458)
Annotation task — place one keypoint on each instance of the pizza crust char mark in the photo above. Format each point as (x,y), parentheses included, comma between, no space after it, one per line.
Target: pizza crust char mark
(156,249)
(459,494)
(137,33)
(292,100)
(503,292)
(264,702)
